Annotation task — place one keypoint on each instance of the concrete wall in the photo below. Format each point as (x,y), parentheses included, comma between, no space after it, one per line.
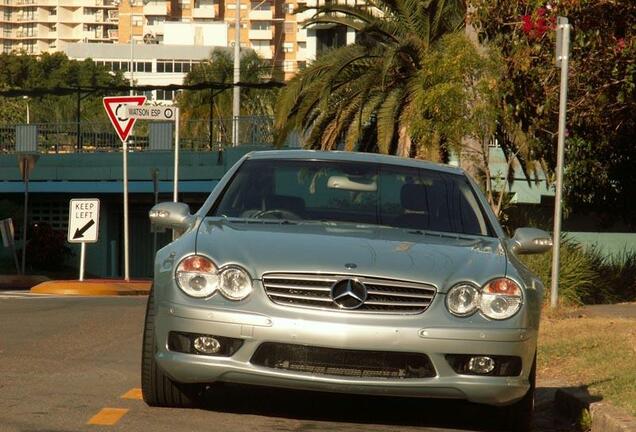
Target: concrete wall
(607,243)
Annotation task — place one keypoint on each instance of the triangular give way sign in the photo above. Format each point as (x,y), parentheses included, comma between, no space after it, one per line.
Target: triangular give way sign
(116,110)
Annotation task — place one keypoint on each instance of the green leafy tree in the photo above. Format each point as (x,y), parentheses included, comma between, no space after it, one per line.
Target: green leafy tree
(213,104)
(601,132)
(368,95)
(50,71)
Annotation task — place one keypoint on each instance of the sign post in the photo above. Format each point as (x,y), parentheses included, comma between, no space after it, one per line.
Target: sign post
(26,163)
(562,53)
(83,225)
(116,108)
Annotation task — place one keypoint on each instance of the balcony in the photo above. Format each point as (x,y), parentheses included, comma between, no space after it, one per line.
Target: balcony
(156,8)
(203,12)
(260,15)
(260,34)
(265,52)
(156,29)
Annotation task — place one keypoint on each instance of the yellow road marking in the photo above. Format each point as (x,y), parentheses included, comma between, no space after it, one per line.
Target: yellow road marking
(107,416)
(134,393)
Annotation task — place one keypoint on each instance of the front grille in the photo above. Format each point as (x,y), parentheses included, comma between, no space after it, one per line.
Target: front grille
(314,291)
(342,362)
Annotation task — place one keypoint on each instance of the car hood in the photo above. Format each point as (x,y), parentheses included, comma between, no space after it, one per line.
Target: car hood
(322,247)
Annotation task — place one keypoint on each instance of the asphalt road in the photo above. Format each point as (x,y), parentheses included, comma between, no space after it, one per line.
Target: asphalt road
(64,360)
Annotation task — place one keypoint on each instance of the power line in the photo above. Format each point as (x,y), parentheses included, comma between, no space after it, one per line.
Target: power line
(61,91)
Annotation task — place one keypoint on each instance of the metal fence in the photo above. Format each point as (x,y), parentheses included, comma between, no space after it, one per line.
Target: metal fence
(199,135)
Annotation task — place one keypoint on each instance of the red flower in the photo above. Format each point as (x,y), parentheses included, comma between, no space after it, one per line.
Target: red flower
(541,11)
(527,24)
(620,44)
(540,27)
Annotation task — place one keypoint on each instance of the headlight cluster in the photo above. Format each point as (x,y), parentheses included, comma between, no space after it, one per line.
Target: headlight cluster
(499,299)
(198,276)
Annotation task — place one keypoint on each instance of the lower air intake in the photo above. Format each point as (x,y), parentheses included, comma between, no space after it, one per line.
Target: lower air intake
(341,362)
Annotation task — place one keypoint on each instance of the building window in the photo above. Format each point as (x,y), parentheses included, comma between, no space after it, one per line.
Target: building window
(288,47)
(260,25)
(289,66)
(290,27)
(137,20)
(262,6)
(167,95)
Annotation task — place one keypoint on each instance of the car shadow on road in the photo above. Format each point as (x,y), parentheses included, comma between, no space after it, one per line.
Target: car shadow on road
(358,409)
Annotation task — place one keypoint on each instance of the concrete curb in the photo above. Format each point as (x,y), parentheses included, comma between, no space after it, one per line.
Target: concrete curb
(94,287)
(604,417)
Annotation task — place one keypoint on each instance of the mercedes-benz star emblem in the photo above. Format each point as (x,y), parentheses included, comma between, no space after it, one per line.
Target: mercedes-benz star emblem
(348,293)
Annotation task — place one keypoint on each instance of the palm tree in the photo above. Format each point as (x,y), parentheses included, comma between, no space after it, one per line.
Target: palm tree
(367,94)
(211,103)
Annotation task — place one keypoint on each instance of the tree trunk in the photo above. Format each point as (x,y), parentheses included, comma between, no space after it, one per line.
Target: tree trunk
(404,142)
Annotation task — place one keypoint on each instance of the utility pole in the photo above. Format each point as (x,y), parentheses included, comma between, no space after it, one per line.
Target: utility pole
(236,100)
(562,54)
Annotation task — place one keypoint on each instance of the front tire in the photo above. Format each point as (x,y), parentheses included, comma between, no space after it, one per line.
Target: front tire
(157,388)
(518,416)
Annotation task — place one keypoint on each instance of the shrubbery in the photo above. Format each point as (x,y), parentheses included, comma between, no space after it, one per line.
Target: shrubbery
(586,276)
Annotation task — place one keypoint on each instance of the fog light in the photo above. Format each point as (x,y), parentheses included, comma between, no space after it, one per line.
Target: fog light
(207,345)
(481,365)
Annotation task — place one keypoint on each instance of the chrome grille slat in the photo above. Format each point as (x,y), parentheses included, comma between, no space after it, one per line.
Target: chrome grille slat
(395,304)
(298,287)
(313,291)
(398,294)
(313,278)
(394,284)
(300,297)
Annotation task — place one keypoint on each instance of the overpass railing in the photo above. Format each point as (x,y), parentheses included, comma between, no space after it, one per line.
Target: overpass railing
(199,135)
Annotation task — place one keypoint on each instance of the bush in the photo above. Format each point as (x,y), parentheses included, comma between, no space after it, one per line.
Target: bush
(618,274)
(586,276)
(578,275)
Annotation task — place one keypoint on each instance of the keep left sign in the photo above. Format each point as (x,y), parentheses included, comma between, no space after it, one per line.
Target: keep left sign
(83,220)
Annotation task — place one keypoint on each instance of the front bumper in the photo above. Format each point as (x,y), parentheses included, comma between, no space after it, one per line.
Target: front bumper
(255,329)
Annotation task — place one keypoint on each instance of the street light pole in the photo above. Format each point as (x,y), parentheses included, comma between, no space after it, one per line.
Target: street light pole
(236,99)
(28,114)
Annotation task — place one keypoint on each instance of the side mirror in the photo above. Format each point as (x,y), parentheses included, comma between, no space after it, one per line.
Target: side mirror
(531,241)
(173,215)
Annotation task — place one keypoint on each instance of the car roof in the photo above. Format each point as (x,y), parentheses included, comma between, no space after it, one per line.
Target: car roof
(346,156)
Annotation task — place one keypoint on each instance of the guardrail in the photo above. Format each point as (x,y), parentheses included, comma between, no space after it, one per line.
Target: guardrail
(199,135)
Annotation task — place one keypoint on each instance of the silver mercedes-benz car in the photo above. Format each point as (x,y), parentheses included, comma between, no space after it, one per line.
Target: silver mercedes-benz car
(344,272)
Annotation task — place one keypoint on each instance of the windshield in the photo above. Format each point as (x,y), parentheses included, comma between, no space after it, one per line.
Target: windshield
(364,193)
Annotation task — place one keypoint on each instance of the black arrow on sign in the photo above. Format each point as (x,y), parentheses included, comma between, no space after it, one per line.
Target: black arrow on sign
(79,232)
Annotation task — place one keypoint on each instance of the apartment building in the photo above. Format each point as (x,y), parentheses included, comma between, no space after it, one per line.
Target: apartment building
(38,26)
(267,26)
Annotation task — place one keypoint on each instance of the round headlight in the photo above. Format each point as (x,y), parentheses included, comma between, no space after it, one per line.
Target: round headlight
(462,299)
(500,299)
(197,276)
(235,283)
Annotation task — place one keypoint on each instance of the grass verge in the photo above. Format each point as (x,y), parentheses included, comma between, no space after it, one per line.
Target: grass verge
(597,353)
